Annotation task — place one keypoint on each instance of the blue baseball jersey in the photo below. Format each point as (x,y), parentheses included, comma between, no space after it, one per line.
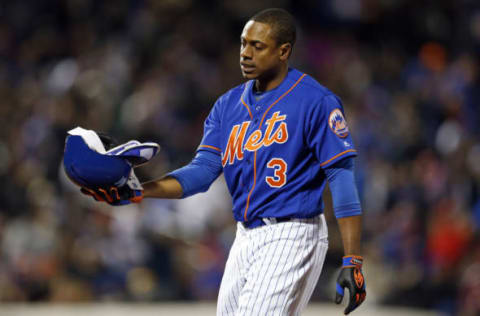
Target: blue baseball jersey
(273,149)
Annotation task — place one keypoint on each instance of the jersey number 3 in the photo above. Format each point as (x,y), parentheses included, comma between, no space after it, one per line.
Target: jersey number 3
(279,174)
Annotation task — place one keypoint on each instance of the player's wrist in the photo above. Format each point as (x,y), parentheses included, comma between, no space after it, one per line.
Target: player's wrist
(352,261)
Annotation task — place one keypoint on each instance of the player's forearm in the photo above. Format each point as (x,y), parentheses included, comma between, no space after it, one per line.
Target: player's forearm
(351,230)
(164,188)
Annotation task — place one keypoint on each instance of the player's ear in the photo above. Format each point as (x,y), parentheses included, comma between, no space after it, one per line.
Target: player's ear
(284,51)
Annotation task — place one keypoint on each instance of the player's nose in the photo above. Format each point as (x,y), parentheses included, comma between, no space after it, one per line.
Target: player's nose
(246,52)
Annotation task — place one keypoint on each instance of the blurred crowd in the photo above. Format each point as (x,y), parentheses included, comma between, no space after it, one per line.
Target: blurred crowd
(408,75)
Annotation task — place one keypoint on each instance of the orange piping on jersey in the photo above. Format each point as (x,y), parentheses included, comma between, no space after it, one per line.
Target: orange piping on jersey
(255,154)
(248,109)
(254,183)
(211,147)
(338,155)
(281,97)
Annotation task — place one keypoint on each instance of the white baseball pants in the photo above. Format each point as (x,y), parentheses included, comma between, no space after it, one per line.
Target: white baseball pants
(273,269)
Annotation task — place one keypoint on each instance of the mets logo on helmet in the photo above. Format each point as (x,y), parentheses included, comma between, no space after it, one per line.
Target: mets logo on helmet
(338,124)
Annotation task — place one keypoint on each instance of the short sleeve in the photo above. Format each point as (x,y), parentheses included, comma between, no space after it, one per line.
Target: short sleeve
(211,131)
(327,132)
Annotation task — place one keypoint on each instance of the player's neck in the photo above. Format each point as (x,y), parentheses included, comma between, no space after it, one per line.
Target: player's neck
(273,81)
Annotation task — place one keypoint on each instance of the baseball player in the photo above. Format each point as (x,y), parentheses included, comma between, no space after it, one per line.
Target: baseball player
(277,138)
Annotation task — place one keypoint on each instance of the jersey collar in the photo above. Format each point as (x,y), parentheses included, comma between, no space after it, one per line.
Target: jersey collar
(249,98)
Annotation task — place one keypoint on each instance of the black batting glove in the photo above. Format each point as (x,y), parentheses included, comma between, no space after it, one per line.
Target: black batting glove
(113,195)
(351,277)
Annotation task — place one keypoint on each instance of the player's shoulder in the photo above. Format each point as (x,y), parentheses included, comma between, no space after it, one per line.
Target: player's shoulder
(312,87)
(314,92)
(232,95)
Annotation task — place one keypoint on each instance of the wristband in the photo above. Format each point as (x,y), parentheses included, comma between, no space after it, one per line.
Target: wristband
(137,196)
(352,262)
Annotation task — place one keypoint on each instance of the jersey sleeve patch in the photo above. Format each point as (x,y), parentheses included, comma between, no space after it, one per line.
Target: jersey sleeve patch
(338,124)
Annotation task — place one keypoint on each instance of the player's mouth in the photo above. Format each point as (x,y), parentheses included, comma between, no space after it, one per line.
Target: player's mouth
(247,68)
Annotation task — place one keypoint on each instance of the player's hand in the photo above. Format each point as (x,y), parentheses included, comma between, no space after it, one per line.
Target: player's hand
(115,196)
(351,277)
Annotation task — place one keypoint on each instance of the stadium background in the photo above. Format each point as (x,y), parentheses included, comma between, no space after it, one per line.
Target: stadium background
(407,71)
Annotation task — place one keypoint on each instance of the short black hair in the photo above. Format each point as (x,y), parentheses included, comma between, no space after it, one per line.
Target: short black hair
(281,22)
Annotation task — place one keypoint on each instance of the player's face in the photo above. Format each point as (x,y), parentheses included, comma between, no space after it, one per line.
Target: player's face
(260,55)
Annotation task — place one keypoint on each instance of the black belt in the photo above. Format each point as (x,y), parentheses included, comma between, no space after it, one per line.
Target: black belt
(257,222)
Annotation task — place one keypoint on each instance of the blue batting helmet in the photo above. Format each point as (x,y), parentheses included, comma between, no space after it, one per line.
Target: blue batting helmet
(91,169)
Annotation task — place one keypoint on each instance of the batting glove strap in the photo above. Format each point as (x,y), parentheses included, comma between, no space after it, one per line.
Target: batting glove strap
(352,261)
(137,196)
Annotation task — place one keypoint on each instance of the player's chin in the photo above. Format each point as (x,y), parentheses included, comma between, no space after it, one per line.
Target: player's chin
(249,74)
